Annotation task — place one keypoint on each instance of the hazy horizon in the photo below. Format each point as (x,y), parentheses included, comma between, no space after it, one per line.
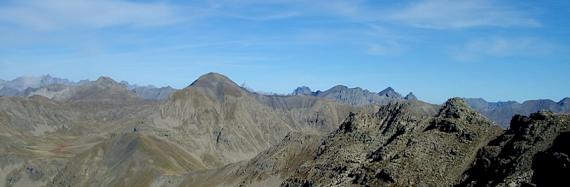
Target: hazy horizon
(270,92)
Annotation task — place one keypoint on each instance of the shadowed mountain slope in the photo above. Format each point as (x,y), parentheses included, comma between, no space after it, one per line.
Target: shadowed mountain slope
(130,159)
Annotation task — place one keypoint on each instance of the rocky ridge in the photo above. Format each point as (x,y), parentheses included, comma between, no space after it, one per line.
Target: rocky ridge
(398,145)
(352,96)
(533,152)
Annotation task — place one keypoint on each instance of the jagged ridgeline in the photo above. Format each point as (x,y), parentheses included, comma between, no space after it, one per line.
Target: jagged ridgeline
(216,133)
(62,89)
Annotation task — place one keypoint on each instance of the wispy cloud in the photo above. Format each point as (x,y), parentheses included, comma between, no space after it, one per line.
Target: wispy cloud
(60,14)
(446,14)
(265,17)
(387,48)
(504,47)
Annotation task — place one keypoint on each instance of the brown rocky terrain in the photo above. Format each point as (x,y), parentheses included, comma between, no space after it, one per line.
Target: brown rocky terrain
(215,133)
(71,140)
(534,151)
(402,144)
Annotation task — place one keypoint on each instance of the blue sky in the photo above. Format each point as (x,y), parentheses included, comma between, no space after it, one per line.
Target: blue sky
(497,50)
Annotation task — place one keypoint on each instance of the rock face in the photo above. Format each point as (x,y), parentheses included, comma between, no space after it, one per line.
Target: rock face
(410,96)
(352,96)
(390,92)
(534,151)
(303,90)
(399,145)
(502,112)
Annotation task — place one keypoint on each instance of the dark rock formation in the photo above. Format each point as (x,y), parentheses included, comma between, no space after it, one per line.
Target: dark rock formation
(402,144)
(390,92)
(303,90)
(532,152)
(410,96)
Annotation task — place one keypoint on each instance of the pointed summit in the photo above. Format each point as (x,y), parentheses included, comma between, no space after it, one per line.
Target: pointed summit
(410,96)
(454,108)
(106,82)
(303,90)
(390,92)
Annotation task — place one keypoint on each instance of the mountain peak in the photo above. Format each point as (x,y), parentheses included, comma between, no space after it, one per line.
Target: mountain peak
(410,96)
(338,87)
(105,81)
(303,90)
(390,92)
(210,79)
(216,84)
(454,107)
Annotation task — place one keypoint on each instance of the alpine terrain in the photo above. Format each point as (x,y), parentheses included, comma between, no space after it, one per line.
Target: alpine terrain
(56,132)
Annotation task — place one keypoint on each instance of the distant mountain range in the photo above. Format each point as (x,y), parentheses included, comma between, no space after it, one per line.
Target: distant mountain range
(49,86)
(502,112)
(499,112)
(355,96)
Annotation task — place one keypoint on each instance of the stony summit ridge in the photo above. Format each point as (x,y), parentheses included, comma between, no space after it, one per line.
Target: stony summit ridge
(216,133)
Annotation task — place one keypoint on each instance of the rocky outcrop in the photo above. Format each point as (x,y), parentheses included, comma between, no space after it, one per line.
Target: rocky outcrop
(534,151)
(399,145)
(410,96)
(303,90)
